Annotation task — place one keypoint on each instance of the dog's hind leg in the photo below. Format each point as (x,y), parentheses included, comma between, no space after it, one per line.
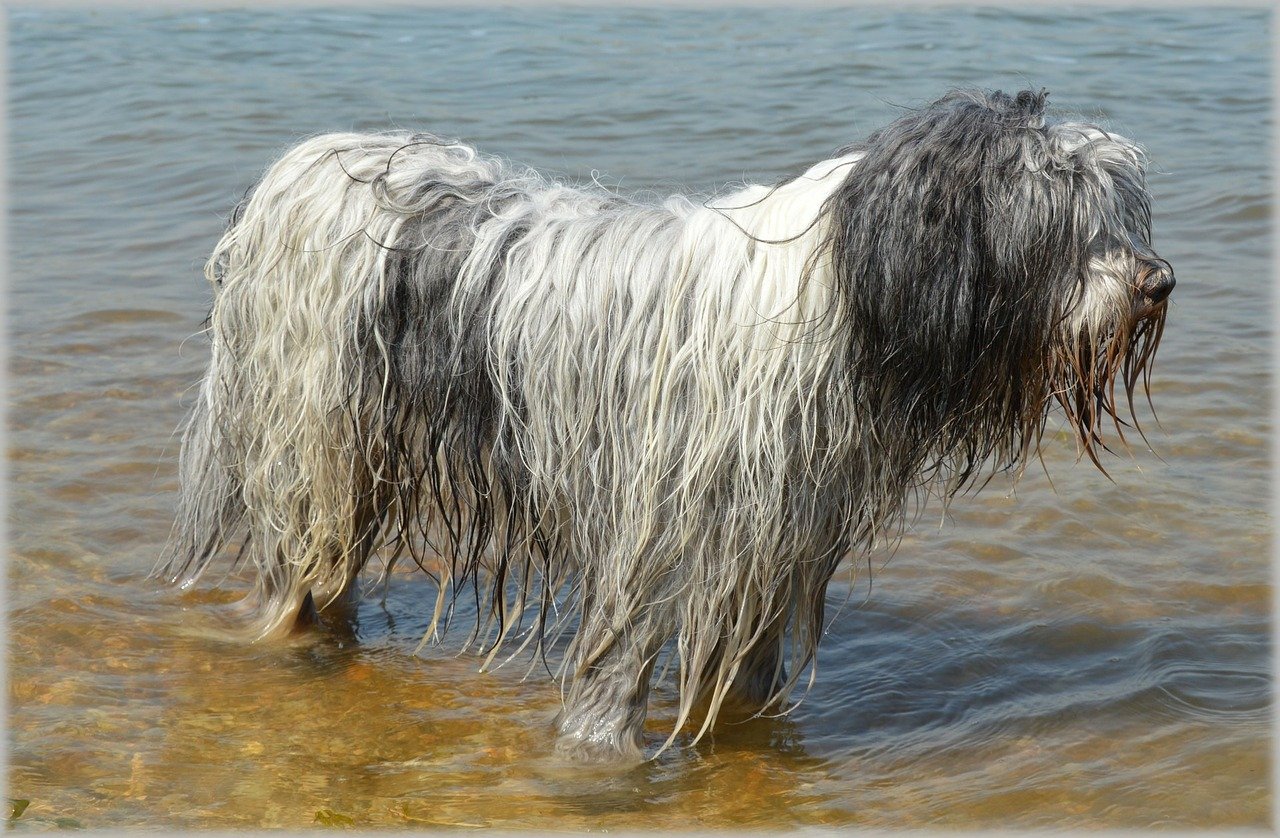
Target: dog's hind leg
(310,544)
(332,600)
(287,607)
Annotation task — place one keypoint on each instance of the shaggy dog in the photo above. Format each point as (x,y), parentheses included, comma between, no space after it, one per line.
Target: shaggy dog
(650,426)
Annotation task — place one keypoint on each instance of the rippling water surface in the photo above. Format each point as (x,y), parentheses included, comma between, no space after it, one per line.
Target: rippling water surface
(1088,653)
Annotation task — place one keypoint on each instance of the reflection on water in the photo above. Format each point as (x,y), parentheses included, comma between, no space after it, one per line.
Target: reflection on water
(1081,653)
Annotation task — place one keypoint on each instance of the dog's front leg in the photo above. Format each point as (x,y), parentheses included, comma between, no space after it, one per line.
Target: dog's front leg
(604,709)
(758,684)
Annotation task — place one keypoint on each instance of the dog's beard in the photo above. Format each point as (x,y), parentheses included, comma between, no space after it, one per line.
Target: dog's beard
(1096,372)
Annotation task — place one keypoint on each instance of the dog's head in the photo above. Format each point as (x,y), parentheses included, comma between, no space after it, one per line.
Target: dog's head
(1114,319)
(991,260)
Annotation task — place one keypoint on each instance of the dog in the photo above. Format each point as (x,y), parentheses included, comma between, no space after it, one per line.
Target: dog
(653,430)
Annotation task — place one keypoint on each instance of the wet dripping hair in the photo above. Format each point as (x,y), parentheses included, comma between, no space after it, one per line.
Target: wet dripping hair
(649,426)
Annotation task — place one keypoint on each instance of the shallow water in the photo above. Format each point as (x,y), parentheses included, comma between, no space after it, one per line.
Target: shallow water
(1088,653)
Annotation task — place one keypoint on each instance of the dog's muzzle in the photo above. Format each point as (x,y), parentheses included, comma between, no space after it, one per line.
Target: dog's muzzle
(1156,282)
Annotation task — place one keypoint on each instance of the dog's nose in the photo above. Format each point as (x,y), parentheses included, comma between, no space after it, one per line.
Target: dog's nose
(1158,284)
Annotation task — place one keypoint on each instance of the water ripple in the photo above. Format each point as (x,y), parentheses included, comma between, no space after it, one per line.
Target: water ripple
(1080,652)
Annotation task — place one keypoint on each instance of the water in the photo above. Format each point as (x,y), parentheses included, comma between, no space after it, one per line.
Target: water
(1091,653)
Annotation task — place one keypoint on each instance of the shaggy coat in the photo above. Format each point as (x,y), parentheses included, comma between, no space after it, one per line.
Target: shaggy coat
(652,426)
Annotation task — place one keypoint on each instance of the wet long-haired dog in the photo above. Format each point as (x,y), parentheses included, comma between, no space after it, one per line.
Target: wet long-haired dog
(653,430)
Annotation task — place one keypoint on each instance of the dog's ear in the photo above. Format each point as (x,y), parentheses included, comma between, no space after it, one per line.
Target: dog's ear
(955,209)
(1032,102)
(954,246)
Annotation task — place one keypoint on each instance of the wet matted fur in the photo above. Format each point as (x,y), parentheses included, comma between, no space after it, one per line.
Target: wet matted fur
(644,425)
